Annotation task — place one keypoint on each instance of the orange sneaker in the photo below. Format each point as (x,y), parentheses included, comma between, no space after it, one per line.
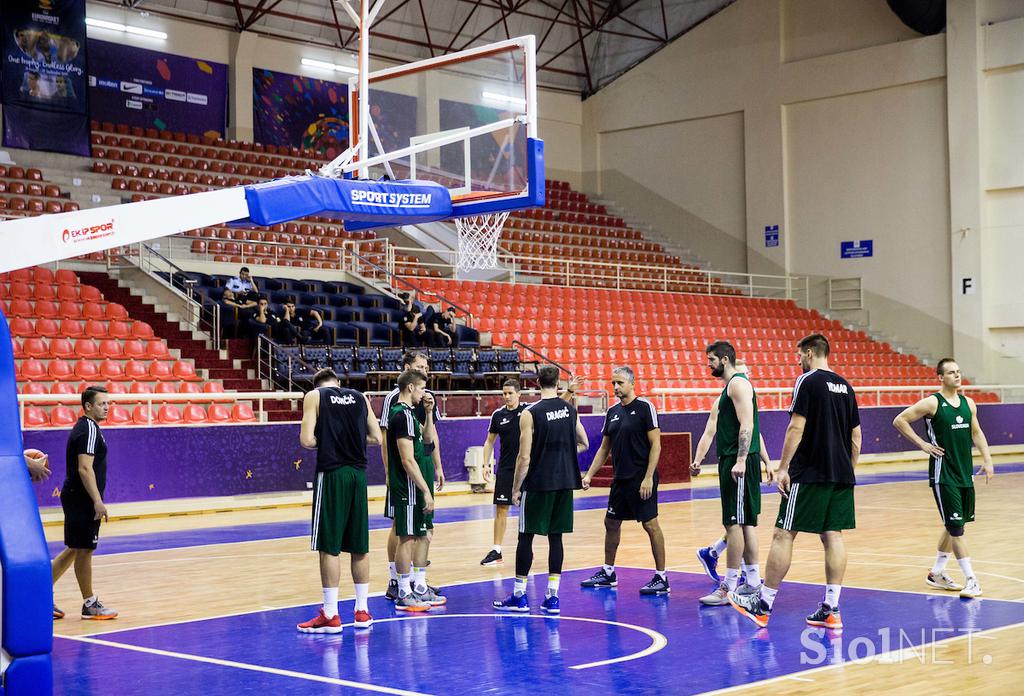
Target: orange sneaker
(363,619)
(321,624)
(826,617)
(751,606)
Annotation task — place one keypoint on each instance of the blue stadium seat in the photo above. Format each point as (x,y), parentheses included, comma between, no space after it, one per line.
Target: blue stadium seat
(368,300)
(508,361)
(341,300)
(373,334)
(366,360)
(348,314)
(391,359)
(486,361)
(462,366)
(286,361)
(341,360)
(467,335)
(343,333)
(391,302)
(440,360)
(279,296)
(317,356)
(316,286)
(376,316)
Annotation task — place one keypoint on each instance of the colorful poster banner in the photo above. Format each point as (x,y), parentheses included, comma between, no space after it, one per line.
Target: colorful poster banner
(43,75)
(151,89)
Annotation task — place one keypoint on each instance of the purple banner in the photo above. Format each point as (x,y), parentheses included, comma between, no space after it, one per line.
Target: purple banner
(179,462)
(43,75)
(150,89)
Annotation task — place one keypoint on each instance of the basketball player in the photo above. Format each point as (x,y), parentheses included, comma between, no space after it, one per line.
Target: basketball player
(708,556)
(427,414)
(338,423)
(411,497)
(547,472)
(951,420)
(816,480)
(82,500)
(505,425)
(632,436)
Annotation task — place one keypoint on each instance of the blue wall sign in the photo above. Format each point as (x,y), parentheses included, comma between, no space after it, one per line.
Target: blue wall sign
(771,235)
(856,250)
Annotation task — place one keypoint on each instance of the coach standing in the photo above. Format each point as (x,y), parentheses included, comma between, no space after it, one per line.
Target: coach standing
(82,500)
(816,481)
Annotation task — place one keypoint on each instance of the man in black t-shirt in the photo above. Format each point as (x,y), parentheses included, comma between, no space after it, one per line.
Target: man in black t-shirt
(547,472)
(632,436)
(82,500)
(338,423)
(816,480)
(504,427)
(445,334)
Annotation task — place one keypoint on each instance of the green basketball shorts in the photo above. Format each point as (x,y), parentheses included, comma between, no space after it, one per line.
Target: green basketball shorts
(545,512)
(340,512)
(817,508)
(741,499)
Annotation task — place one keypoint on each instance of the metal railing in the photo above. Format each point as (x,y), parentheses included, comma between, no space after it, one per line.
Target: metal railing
(544,357)
(780,397)
(266,360)
(201,317)
(845,294)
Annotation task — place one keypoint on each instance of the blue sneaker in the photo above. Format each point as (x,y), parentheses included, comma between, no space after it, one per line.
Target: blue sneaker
(709,562)
(512,603)
(550,605)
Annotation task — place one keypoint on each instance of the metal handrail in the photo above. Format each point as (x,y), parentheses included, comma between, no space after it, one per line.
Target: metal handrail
(546,359)
(269,346)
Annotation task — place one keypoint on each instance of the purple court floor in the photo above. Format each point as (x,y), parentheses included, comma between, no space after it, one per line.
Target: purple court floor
(606,641)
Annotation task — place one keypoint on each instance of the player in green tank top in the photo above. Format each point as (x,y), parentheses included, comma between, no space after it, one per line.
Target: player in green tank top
(951,425)
(738,443)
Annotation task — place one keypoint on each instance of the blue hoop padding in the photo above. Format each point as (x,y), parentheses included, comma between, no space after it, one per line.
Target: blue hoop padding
(382,203)
(26,630)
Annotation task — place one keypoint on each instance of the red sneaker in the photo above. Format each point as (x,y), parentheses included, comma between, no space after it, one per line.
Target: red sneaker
(321,624)
(363,619)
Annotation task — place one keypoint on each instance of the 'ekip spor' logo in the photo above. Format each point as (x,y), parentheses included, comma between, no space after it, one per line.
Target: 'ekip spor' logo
(89,233)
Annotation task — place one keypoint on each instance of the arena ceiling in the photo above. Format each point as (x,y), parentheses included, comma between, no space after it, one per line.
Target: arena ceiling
(582,44)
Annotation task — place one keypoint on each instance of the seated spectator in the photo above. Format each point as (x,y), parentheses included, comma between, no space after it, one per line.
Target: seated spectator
(412,318)
(244,286)
(263,322)
(301,325)
(422,337)
(444,332)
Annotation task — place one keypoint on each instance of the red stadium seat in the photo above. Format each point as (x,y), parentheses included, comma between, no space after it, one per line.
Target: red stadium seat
(157,350)
(117,387)
(93,310)
(194,413)
(85,370)
(166,388)
(119,329)
(219,413)
(141,329)
(61,348)
(95,328)
(32,369)
(242,413)
(190,388)
(68,293)
(70,310)
(34,388)
(35,417)
(134,349)
(160,371)
(58,369)
(62,417)
(36,348)
(21,308)
(136,370)
(44,292)
(118,415)
(66,277)
(89,293)
(143,415)
(141,388)
(87,348)
(185,371)
(213,388)
(112,370)
(20,326)
(70,328)
(111,349)
(16,348)
(116,312)
(169,414)
(65,388)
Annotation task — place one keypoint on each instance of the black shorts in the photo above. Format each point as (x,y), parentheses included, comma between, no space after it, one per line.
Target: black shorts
(81,528)
(625,503)
(503,486)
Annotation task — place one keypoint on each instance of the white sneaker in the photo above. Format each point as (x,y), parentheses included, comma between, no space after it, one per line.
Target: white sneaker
(971,590)
(943,582)
(718,598)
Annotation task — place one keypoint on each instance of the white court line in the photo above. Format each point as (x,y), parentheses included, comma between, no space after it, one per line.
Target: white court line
(658,640)
(178,622)
(879,658)
(245,666)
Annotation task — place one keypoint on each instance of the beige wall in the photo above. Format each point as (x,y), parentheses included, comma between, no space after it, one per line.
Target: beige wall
(850,131)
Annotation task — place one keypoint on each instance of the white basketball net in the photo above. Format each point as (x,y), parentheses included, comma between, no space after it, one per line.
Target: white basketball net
(478,240)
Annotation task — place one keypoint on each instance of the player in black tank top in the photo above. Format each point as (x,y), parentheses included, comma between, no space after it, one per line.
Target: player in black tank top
(338,423)
(547,472)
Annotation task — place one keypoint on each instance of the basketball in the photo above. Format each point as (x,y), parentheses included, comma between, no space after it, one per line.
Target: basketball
(34,454)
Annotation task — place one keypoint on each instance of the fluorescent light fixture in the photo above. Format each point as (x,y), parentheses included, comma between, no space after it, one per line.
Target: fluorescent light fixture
(114,26)
(324,65)
(504,99)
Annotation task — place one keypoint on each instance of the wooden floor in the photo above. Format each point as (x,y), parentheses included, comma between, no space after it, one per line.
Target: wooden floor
(892,548)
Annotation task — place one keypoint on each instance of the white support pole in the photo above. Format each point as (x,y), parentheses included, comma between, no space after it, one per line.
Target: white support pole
(364,83)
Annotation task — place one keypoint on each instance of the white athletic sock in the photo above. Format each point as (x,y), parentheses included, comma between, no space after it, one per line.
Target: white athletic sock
(753,574)
(89,601)
(497,549)
(392,570)
(832,593)
(420,579)
(965,565)
(404,585)
(732,578)
(362,592)
(768,595)
(553,580)
(718,547)
(330,602)
(941,559)
(520,587)
(661,574)
(608,569)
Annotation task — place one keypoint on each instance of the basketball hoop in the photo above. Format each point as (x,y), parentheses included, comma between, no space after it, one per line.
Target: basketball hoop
(478,240)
